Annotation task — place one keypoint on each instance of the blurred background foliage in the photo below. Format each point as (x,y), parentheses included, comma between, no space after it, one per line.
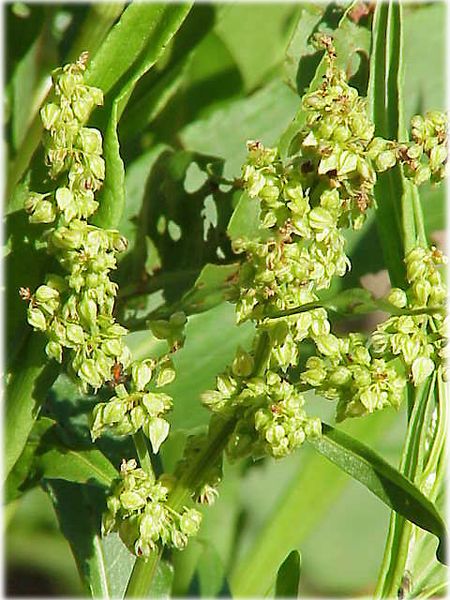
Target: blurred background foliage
(231,73)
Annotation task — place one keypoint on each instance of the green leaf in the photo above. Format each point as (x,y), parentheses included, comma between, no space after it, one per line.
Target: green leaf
(79,466)
(210,576)
(261,116)
(313,485)
(104,563)
(143,30)
(395,490)
(245,221)
(25,393)
(161,23)
(209,290)
(162,581)
(383,99)
(245,31)
(18,479)
(288,577)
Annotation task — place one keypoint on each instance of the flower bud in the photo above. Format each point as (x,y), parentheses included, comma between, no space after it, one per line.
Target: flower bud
(320,218)
(36,318)
(137,417)
(179,539)
(64,198)
(43,212)
(50,115)
(75,333)
(113,412)
(90,140)
(88,310)
(347,162)
(96,165)
(157,431)
(385,160)
(438,156)
(421,368)
(131,500)
(422,290)
(88,372)
(166,373)
(328,345)
(397,298)
(44,293)
(243,363)
(141,374)
(190,521)
(54,350)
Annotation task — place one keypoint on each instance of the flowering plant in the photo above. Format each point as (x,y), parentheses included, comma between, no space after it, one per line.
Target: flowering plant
(275,256)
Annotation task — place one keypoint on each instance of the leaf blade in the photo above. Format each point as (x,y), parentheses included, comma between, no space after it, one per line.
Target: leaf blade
(288,577)
(395,490)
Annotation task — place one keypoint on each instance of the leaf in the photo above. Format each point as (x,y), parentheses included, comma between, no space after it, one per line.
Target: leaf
(162,581)
(261,116)
(384,83)
(79,466)
(245,221)
(143,29)
(25,393)
(288,577)
(104,563)
(312,487)
(186,225)
(395,490)
(246,31)
(18,479)
(209,290)
(209,580)
(112,195)
(161,24)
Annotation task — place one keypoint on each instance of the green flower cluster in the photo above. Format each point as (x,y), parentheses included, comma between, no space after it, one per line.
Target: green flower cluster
(348,373)
(75,309)
(307,201)
(138,408)
(418,339)
(365,375)
(426,159)
(138,510)
(269,414)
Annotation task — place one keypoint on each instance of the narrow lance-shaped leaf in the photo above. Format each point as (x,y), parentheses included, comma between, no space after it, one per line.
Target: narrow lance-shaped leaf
(161,23)
(383,100)
(395,490)
(26,391)
(288,577)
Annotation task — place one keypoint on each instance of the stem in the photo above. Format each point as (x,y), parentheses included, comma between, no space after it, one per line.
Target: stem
(400,530)
(376,305)
(140,442)
(142,575)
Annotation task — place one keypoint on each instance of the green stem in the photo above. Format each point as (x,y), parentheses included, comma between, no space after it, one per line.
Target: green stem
(142,575)
(398,548)
(141,444)
(375,305)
